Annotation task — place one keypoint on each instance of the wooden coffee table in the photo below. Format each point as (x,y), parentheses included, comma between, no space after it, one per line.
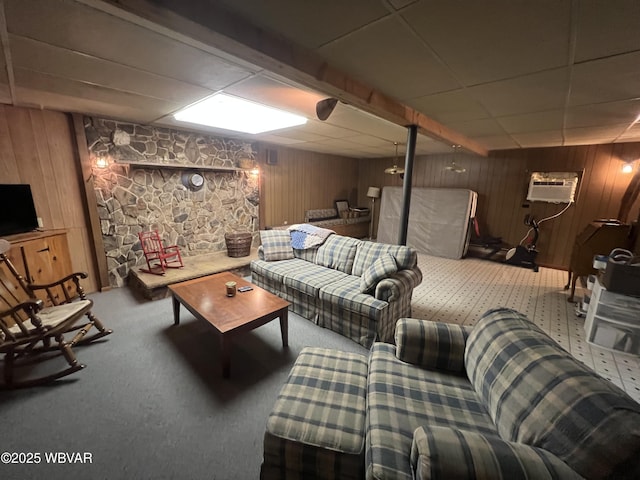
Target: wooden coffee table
(206,298)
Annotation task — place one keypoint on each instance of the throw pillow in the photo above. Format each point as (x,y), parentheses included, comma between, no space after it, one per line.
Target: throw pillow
(276,245)
(380,269)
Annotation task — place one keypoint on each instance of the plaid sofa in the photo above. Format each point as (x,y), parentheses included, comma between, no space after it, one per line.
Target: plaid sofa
(324,284)
(500,400)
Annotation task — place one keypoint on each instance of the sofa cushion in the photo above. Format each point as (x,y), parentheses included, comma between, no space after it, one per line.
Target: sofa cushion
(384,266)
(345,294)
(540,395)
(276,245)
(312,278)
(338,252)
(441,452)
(402,397)
(277,271)
(369,252)
(429,344)
(308,254)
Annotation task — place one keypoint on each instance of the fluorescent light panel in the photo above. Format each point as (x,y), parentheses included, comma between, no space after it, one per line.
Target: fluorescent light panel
(235,113)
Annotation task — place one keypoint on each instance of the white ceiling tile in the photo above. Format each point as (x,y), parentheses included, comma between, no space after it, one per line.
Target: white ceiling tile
(551,138)
(630,134)
(606,80)
(499,142)
(531,93)
(311,24)
(611,113)
(299,134)
(377,54)
(400,4)
(478,128)
(453,106)
(278,139)
(86,30)
(368,140)
(327,130)
(574,136)
(59,62)
(532,122)
(291,97)
(349,117)
(89,95)
(54,100)
(607,28)
(485,42)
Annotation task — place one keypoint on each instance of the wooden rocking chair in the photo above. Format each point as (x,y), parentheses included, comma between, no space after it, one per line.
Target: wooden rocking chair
(28,323)
(158,257)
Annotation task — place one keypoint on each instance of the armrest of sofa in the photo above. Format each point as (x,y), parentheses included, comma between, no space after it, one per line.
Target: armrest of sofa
(430,344)
(442,452)
(398,285)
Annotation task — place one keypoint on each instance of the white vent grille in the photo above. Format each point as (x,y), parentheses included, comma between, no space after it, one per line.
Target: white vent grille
(552,187)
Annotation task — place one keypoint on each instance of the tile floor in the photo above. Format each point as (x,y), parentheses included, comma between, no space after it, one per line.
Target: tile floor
(459,291)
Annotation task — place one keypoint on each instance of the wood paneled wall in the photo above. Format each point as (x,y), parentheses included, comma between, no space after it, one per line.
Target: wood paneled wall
(501,181)
(301,181)
(38,147)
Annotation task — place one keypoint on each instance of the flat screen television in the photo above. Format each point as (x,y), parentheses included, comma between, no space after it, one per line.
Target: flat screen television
(17,211)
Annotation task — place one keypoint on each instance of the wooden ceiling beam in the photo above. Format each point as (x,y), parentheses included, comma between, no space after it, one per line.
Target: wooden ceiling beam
(216,27)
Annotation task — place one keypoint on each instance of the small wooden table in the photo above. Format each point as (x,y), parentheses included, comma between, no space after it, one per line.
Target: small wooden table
(206,298)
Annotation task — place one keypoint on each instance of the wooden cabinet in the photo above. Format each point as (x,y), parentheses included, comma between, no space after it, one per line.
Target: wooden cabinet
(41,257)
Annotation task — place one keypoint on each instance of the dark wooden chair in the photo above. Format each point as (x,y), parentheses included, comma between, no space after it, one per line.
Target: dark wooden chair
(28,323)
(598,238)
(157,256)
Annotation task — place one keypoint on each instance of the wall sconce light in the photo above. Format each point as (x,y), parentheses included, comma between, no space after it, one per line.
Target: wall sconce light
(627,167)
(255,171)
(102,162)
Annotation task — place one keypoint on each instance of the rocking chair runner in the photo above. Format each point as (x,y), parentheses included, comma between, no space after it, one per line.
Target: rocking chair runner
(158,257)
(27,324)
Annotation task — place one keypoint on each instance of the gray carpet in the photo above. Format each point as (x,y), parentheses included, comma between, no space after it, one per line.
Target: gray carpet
(151,402)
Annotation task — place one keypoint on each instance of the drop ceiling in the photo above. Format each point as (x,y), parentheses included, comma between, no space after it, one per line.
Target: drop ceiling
(501,73)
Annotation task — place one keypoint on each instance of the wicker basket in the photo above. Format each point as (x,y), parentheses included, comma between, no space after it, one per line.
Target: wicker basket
(238,244)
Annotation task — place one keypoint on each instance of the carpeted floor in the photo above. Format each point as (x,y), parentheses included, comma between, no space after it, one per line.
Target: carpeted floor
(152,404)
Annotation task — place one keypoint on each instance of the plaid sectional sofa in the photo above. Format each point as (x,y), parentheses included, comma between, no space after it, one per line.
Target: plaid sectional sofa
(497,401)
(354,287)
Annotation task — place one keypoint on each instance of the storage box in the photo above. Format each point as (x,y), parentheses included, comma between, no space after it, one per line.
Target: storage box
(622,278)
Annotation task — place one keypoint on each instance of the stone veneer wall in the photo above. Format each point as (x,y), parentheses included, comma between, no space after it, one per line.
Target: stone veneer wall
(136,198)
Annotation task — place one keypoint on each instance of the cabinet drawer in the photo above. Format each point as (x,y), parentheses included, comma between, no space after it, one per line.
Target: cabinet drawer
(618,314)
(614,336)
(618,300)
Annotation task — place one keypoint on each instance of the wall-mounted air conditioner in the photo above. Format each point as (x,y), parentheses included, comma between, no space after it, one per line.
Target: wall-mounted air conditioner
(553,187)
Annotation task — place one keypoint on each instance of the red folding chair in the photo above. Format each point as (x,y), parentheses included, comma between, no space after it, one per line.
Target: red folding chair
(159,257)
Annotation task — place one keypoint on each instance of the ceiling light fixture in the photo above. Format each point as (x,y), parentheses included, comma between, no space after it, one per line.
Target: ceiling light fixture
(237,114)
(395,169)
(453,167)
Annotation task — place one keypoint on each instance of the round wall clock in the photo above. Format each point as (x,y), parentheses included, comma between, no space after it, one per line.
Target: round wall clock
(193,180)
(196,180)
